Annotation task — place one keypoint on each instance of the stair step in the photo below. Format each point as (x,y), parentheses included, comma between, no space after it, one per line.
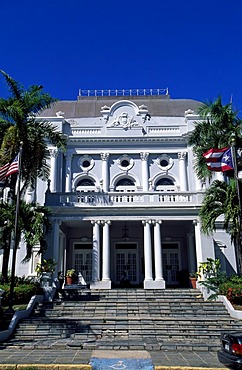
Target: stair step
(126,319)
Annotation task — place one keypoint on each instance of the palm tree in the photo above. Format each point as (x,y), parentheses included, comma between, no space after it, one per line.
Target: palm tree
(19,124)
(219,124)
(34,223)
(220,199)
(218,128)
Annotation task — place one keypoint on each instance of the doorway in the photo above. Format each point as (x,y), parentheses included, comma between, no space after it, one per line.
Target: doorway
(126,266)
(83,260)
(171,263)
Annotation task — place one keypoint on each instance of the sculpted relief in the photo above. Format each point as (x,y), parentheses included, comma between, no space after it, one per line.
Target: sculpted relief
(124,120)
(125,114)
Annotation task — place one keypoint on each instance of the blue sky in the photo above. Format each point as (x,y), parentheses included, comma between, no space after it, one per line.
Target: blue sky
(192,47)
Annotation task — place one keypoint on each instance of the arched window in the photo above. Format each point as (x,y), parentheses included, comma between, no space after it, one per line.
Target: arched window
(165,184)
(85,185)
(125,184)
(86,182)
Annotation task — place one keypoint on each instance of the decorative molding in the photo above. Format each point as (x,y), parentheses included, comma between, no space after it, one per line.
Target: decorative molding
(166,158)
(87,131)
(182,155)
(68,156)
(53,152)
(88,159)
(104,156)
(164,130)
(123,120)
(144,156)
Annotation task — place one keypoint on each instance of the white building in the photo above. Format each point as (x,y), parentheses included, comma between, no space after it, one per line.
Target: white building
(124,196)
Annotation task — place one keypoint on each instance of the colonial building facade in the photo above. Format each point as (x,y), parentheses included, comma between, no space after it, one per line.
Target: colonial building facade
(124,195)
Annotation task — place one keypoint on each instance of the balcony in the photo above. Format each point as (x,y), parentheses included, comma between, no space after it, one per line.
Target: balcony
(124,199)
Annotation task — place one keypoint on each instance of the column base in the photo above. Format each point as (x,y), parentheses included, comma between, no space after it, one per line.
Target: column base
(154,284)
(102,284)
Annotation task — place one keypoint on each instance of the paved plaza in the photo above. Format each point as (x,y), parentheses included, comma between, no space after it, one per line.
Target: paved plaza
(198,359)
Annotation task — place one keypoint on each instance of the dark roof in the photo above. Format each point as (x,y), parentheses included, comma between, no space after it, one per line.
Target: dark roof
(91,106)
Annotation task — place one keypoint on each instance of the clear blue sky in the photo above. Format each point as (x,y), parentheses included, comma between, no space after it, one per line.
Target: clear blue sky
(192,47)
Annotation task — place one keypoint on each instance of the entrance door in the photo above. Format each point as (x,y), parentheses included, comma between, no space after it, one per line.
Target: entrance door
(171,264)
(83,261)
(126,263)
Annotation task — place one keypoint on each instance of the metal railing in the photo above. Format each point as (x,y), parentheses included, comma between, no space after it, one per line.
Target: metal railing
(124,92)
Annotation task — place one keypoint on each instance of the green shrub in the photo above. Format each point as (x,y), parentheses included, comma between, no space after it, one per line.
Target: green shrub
(22,293)
(232,290)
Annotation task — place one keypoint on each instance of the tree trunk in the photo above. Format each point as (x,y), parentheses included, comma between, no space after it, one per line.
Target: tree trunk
(6,254)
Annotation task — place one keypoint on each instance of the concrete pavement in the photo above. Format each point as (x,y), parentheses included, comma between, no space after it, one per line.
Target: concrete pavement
(81,359)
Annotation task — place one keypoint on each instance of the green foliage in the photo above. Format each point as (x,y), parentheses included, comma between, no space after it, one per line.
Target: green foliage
(19,123)
(217,282)
(22,293)
(232,290)
(219,124)
(71,273)
(34,224)
(46,265)
(220,199)
(214,277)
(209,268)
(193,274)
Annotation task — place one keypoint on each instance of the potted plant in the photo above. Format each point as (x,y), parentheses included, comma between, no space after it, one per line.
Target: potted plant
(46,266)
(193,279)
(70,276)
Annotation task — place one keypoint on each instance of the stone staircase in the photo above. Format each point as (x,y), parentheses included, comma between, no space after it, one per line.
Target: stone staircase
(135,319)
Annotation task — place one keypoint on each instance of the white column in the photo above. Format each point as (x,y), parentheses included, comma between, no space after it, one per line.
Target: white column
(198,241)
(182,171)
(105,177)
(147,255)
(145,173)
(159,281)
(106,282)
(191,252)
(219,176)
(96,251)
(56,243)
(68,172)
(53,167)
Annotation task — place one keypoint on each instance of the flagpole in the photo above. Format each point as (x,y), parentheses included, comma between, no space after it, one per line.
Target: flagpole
(238,238)
(15,245)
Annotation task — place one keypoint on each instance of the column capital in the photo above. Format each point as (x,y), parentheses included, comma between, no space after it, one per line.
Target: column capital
(151,222)
(68,155)
(182,155)
(144,156)
(53,152)
(97,222)
(195,222)
(104,156)
(57,221)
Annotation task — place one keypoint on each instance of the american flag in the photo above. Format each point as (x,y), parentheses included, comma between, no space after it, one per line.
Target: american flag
(9,168)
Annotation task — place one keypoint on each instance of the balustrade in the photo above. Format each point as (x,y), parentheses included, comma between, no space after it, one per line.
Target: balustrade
(120,199)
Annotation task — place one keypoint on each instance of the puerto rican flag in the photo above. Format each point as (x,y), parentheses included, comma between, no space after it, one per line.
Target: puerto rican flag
(219,159)
(9,168)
